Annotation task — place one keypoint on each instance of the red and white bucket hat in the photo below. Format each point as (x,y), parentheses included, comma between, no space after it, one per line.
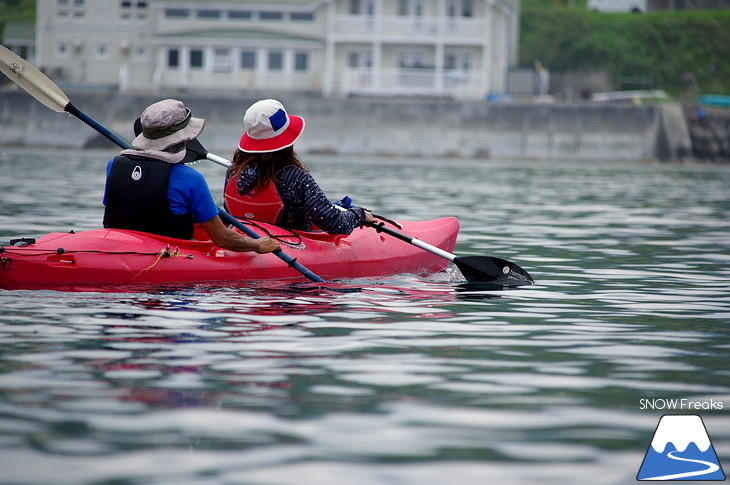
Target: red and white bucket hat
(269,128)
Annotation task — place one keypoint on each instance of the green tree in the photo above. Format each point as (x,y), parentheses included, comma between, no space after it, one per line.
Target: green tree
(678,50)
(16,11)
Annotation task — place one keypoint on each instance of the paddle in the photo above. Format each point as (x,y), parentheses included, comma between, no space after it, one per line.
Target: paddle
(476,269)
(292,262)
(35,83)
(47,92)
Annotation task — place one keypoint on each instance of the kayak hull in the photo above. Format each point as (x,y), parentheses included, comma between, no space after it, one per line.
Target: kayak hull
(104,257)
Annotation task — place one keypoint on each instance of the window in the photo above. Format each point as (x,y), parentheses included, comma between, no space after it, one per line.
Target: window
(353,59)
(209,14)
(403,7)
(75,9)
(221,59)
(362,58)
(466,63)
(196,59)
(302,17)
(410,7)
(177,13)
(173,58)
(450,62)
(411,59)
(451,8)
(248,60)
(301,61)
(461,61)
(276,61)
(130,9)
(467,8)
(239,15)
(356,7)
(271,16)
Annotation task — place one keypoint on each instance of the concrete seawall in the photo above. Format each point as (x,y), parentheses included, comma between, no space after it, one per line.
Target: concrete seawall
(396,127)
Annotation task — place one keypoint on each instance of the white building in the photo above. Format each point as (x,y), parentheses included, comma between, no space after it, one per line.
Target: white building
(20,38)
(460,48)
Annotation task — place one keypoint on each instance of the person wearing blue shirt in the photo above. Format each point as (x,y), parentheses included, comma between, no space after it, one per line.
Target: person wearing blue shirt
(149,189)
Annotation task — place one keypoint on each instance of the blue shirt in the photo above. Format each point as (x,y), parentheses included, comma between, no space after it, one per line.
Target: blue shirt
(188,192)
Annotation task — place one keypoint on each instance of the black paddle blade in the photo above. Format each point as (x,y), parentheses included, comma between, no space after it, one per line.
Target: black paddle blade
(487,269)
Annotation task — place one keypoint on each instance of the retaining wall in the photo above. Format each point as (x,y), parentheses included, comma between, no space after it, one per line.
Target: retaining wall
(398,127)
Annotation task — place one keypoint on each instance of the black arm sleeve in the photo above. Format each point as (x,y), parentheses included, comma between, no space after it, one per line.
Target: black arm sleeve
(300,192)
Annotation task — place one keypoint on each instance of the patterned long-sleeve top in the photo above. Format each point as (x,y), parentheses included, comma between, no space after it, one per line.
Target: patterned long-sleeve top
(304,202)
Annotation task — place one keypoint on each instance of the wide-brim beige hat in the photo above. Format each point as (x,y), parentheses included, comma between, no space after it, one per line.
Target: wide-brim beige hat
(167,123)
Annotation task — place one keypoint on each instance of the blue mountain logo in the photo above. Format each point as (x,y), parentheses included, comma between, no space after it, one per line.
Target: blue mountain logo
(681,450)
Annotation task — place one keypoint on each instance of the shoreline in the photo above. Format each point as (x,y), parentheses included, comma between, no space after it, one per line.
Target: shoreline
(403,127)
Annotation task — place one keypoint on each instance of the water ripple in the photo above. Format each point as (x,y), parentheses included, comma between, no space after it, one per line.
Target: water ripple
(382,381)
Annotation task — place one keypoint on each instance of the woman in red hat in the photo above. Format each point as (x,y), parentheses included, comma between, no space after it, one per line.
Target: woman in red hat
(268,182)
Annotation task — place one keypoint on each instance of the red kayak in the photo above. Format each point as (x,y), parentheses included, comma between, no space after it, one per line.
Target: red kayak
(116,257)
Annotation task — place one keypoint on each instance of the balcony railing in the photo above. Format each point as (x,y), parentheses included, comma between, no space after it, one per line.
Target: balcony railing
(352,26)
(410,81)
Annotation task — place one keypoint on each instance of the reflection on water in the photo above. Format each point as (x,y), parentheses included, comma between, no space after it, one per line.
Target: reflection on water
(394,381)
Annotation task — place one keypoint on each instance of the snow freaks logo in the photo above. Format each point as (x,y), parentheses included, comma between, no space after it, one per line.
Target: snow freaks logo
(681,450)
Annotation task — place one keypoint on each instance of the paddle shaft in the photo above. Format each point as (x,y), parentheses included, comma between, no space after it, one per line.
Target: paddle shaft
(228,218)
(381,227)
(292,262)
(70,108)
(476,269)
(219,160)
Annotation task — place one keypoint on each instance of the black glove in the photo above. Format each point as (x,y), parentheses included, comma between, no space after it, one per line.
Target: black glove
(195,151)
(137,127)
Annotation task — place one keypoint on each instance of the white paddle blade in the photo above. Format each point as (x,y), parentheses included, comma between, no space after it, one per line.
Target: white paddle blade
(33,81)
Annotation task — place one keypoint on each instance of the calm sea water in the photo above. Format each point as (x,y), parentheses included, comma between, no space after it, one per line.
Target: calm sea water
(400,380)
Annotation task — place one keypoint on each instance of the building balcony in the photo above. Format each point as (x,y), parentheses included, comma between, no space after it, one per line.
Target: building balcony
(399,28)
(413,82)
